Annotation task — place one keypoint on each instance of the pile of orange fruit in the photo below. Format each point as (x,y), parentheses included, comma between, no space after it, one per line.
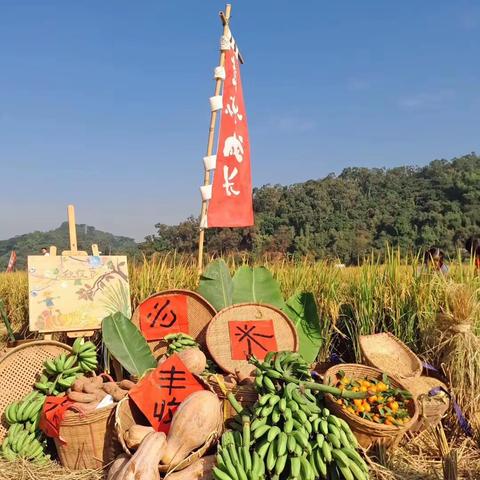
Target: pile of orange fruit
(383,403)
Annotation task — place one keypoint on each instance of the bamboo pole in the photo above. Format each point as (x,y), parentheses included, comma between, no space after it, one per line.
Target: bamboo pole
(225,17)
(72,228)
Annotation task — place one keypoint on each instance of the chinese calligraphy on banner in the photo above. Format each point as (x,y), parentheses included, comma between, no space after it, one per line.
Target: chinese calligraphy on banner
(231,202)
(251,338)
(159,394)
(162,315)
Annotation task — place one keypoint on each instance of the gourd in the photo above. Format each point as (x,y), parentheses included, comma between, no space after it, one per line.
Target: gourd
(195,420)
(194,359)
(135,435)
(144,463)
(201,469)
(117,465)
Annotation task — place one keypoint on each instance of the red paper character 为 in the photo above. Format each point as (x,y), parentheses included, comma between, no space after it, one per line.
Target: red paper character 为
(162,315)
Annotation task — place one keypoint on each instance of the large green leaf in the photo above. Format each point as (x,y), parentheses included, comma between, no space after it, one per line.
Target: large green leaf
(302,311)
(256,285)
(216,285)
(125,342)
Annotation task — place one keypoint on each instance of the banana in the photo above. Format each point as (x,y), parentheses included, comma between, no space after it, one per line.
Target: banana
(306,469)
(268,384)
(295,467)
(273,433)
(327,452)
(282,445)
(50,367)
(280,464)
(271,457)
(324,427)
(262,448)
(346,472)
(220,475)
(228,464)
(320,463)
(260,431)
(291,443)
(334,441)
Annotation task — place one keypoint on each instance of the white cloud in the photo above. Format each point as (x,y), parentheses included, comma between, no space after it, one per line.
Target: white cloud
(426,101)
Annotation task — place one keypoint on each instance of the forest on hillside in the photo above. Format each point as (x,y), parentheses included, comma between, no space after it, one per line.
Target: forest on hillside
(348,216)
(32,243)
(340,217)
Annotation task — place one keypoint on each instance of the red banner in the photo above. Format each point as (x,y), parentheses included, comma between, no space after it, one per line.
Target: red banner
(231,204)
(12,261)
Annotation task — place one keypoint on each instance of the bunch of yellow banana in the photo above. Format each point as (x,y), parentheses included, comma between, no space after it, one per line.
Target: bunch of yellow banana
(85,354)
(19,442)
(26,411)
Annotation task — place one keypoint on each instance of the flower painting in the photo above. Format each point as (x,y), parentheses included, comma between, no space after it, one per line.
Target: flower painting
(68,293)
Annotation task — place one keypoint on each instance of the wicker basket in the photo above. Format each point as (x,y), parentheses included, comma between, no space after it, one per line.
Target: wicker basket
(90,440)
(432,408)
(388,353)
(368,433)
(128,414)
(19,370)
(246,395)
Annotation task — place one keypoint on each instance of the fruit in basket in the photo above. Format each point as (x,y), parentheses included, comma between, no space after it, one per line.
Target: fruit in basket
(26,411)
(194,359)
(86,354)
(144,463)
(195,420)
(178,342)
(385,404)
(22,443)
(135,434)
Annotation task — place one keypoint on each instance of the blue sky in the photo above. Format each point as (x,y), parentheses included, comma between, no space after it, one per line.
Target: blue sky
(105,104)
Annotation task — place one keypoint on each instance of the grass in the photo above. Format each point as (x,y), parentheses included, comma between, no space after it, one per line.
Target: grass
(396,296)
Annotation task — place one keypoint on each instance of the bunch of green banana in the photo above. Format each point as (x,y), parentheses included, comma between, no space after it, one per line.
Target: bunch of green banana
(27,411)
(59,374)
(279,368)
(85,353)
(178,342)
(19,442)
(235,459)
(292,431)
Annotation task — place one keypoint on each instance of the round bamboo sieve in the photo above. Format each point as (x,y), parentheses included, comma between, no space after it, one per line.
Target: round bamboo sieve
(219,340)
(19,370)
(199,314)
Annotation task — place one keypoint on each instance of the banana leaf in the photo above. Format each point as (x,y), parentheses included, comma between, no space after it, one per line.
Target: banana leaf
(302,311)
(125,342)
(256,285)
(216,285)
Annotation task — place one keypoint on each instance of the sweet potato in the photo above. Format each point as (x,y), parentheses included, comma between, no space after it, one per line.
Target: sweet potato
(79,383)
(119,394)
(81,397)
(201,469)
(126,384)
(135,434)
(117,465)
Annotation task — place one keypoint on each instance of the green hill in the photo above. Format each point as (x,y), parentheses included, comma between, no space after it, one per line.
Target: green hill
(32,243)
(349,215)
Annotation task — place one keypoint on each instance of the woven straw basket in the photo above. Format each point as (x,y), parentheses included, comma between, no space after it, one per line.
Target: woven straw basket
(368,433)
(128,414)
(432,408)
(246,395)
(19,370)
(218,335)
(90,440)
(387,352)
(199,313)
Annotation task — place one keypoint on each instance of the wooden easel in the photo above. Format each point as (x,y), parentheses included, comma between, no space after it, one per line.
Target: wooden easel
(72,231)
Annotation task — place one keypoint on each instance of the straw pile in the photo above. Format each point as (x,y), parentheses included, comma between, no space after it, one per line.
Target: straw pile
(458,348)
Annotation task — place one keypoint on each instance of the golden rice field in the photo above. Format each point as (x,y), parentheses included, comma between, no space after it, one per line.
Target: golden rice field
(395,296)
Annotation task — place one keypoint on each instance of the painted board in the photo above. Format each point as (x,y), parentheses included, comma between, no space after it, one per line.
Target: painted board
(68,293)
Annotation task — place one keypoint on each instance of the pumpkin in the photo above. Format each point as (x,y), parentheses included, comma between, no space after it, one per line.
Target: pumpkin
(135,434)
(201,469)
(196,419)
(144,464)
(194,359)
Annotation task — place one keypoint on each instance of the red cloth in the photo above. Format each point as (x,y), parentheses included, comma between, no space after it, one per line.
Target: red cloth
(53,412)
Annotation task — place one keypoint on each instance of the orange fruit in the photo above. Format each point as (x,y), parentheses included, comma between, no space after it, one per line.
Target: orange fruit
(372,399)
(357,402)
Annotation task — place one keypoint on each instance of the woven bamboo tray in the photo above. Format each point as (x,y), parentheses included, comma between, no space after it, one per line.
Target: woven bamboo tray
(389,354)
(218,335)
(90,440)
(199,314)
(19,370)
(368,433)
(432,408)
